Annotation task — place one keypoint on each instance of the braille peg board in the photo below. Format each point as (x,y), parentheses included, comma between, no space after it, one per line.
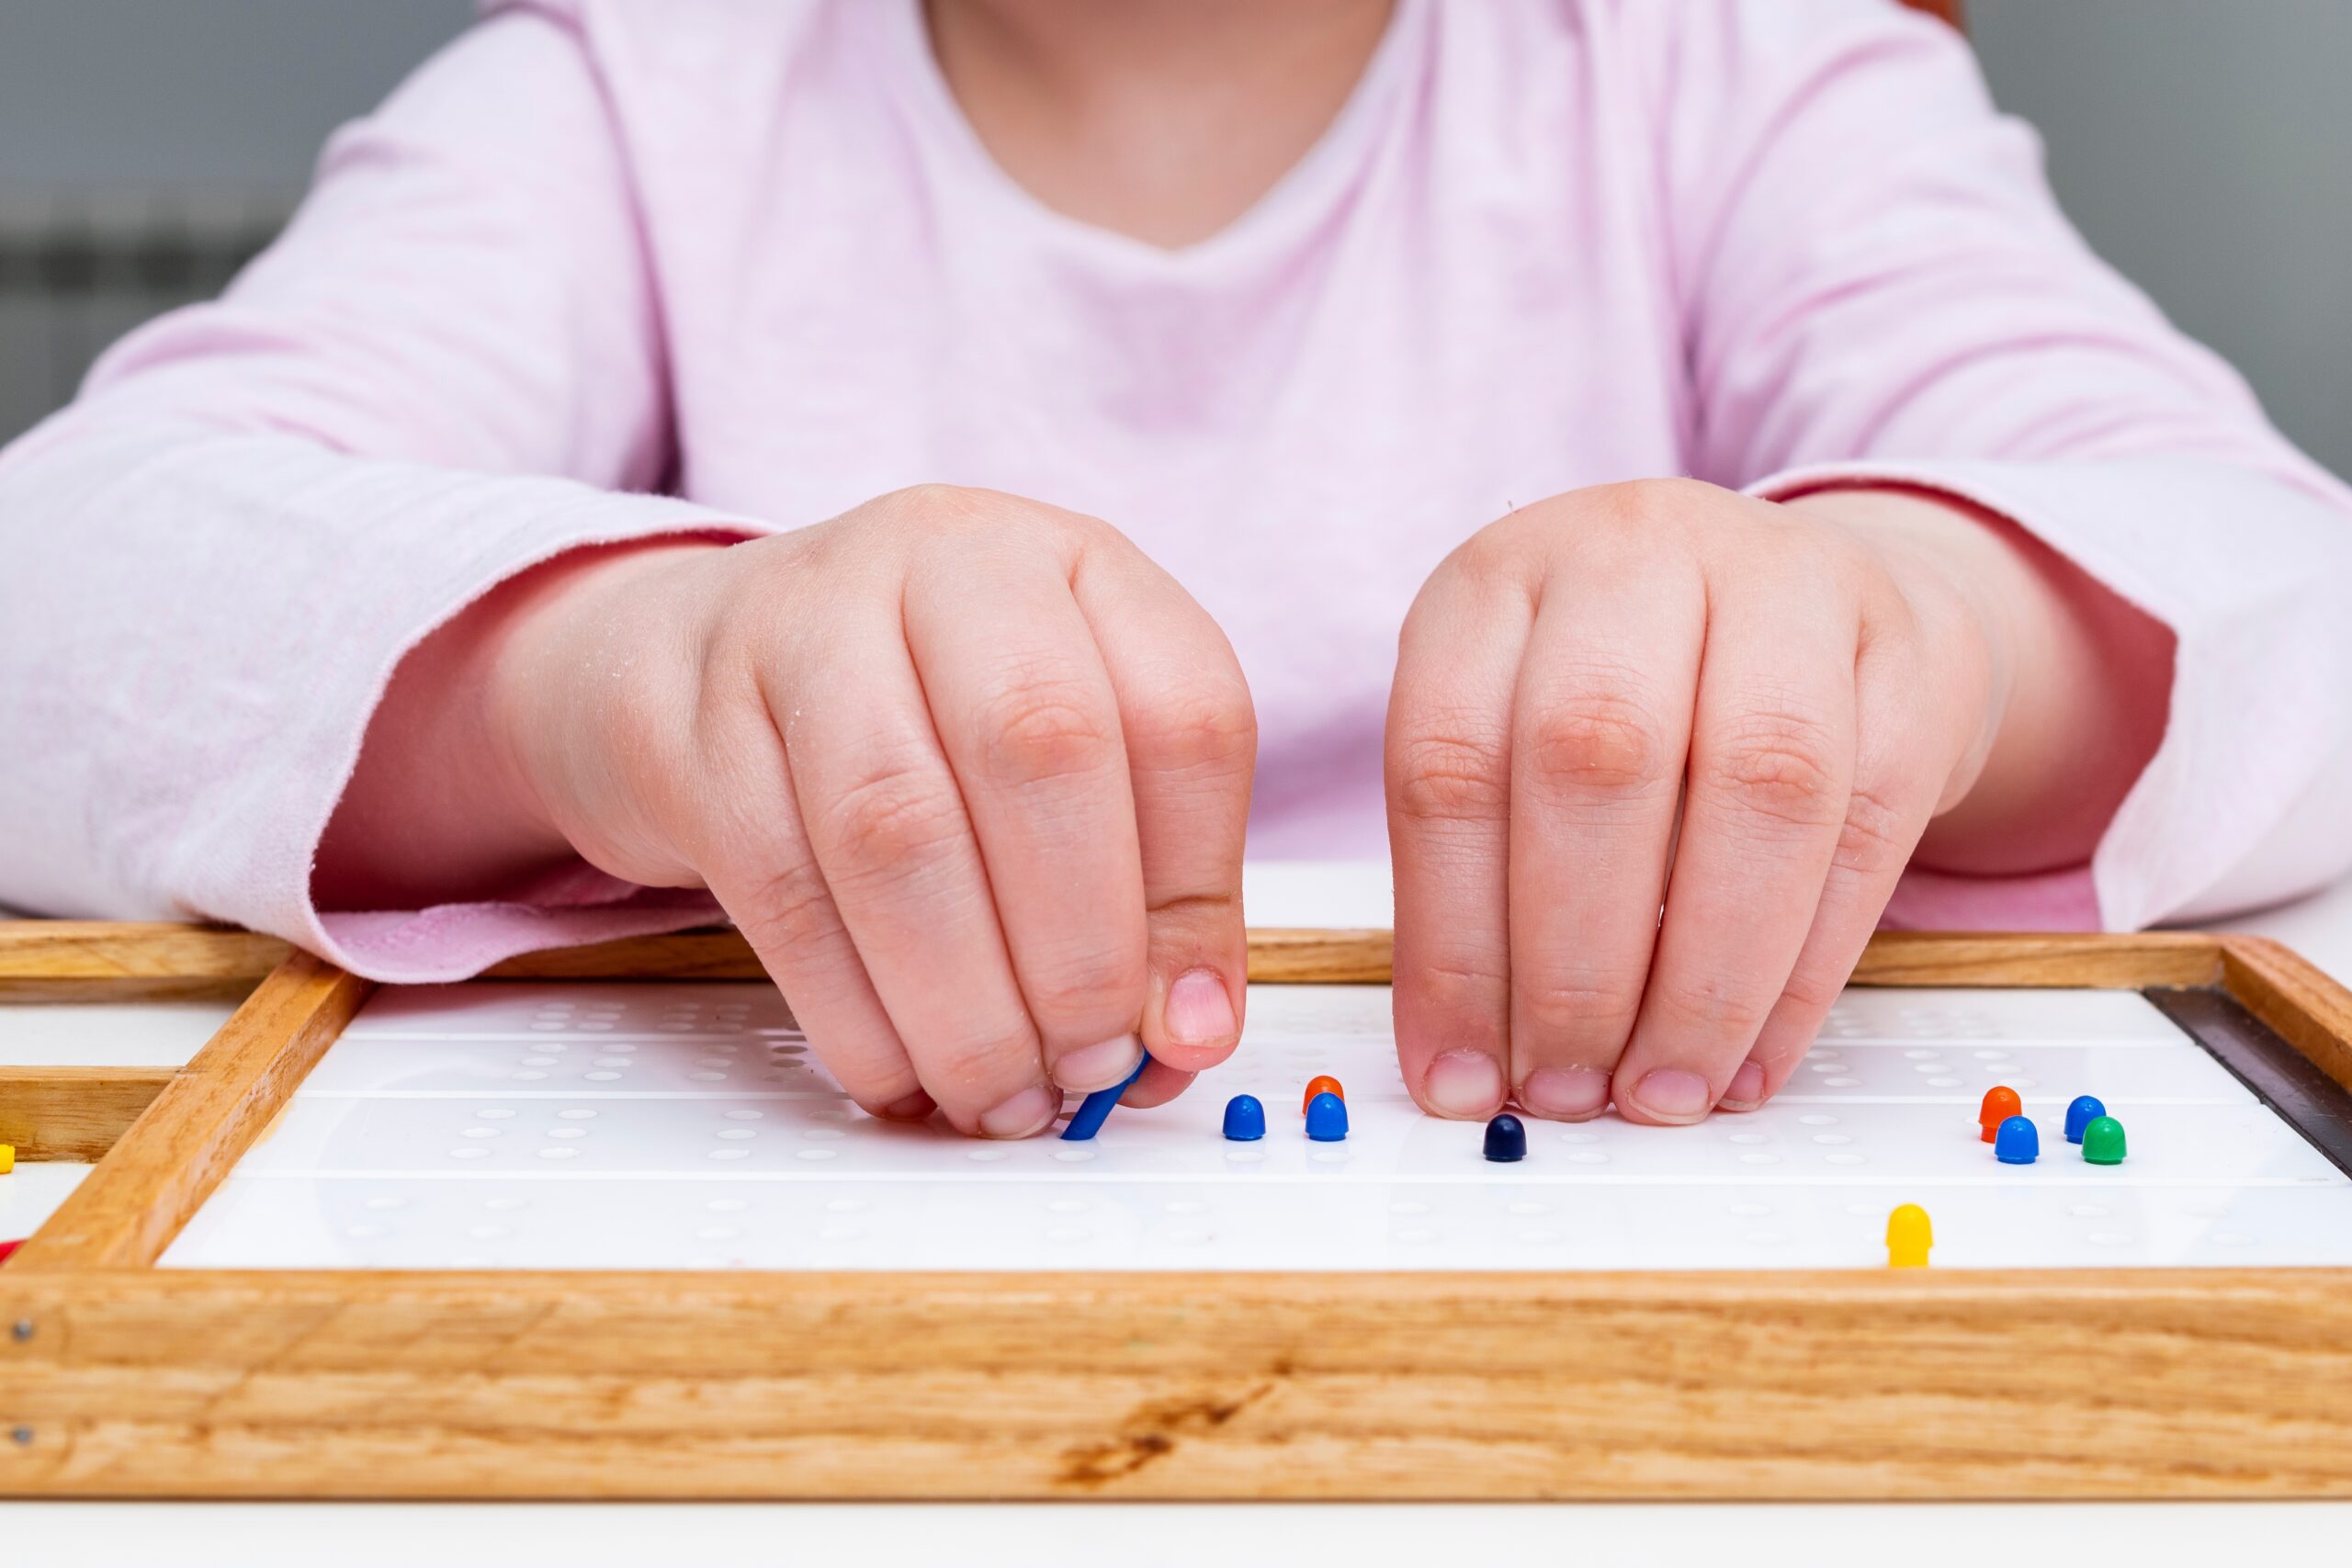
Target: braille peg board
(584,1124)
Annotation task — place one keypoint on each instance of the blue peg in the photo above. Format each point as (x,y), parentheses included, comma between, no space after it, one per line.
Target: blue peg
(2081,1113)
(1506,1139)
(2017,1142)
(1096,1107)
(1244,1119)
(1326,1119)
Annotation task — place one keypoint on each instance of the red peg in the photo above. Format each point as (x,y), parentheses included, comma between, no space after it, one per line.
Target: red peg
(2001,1103)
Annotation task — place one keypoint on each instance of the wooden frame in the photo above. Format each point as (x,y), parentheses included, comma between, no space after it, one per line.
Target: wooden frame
(121,1379)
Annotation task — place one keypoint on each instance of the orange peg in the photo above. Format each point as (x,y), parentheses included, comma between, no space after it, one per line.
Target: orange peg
(2001,1103)
(1323,1085)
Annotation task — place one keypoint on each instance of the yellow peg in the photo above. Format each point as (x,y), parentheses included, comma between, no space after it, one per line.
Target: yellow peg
(1908,1237)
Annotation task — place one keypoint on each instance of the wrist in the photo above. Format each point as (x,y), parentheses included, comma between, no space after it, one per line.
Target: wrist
(1951,559)
(2078,689)
(443,804)
(562,676)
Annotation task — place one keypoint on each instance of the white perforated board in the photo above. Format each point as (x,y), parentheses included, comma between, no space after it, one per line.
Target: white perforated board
(687,1125)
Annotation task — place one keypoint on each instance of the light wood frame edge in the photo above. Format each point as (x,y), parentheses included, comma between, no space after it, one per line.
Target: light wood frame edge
(1279,954)
(169,1160)
(116,960)
(136,1380)
(79,1113)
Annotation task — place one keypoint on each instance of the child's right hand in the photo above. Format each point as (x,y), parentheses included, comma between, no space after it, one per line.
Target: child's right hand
(970,773)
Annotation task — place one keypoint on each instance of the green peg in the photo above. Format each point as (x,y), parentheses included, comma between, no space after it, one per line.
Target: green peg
(2103,1141)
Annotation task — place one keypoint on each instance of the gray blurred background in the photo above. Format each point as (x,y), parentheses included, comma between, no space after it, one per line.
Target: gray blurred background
(2205,146)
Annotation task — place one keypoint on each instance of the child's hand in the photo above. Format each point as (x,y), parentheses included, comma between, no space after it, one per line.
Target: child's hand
(970,773)
(1828,675)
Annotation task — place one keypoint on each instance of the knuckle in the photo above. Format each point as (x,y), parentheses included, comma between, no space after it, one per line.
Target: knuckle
(1207,727)
(1438,777)
(1037,730)
(1779,766)
(1491,553)
(1644,506)
(1575,1007)
(966,511)
(1084,985)
(1088,531)
(1507,559)
(788,911)
(936,505)
(893,821)
(1469,991)
(1876,837)
(1710,1009)
(1182,916)
(1812,989)
(974,1068)
(1600,741)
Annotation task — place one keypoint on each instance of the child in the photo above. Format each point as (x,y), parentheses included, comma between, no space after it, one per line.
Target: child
(898,474)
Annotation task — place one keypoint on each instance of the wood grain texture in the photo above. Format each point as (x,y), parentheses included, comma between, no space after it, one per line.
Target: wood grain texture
(1861,1384)
(113,960)
(2032,959)
(1329,956)
(1363,957)
(2294,997)
(127,1379)
(1325,957)
(73,1113)
(173,1156)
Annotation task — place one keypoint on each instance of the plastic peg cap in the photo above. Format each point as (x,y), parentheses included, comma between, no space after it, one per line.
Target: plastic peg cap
(2080,1113)
(1506,1139)
(1326,1119)
(1908,1237)
(2001,1103)
(2103,1141)
(1244,1119)
(2018,1142)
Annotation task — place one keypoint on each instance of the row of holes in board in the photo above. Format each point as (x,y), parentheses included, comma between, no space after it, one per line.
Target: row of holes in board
(487,1121)
(1830,1062)
(717,1061)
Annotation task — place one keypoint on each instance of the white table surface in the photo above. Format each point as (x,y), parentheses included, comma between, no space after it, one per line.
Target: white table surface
(1922,1535)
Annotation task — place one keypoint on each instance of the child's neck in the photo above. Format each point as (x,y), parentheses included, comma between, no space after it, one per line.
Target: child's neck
(1162,120)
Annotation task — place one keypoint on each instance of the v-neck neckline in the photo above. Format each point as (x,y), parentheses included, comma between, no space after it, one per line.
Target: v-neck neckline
(1303,189)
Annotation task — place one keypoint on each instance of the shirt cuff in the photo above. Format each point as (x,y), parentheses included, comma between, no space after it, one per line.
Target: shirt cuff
(452,941)
(2249,573)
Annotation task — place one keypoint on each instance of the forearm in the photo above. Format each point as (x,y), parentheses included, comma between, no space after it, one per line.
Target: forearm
(2079,687)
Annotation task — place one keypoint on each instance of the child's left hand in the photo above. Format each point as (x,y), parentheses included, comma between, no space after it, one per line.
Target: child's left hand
(1828,675)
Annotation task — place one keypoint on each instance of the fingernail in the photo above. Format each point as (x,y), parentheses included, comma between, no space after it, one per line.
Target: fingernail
(913,1108)
(1025,1113)
(1566,1092)
(1746,1090)
(1199,1012)
(1672,1095)
(1465,1084)
(1090,1067)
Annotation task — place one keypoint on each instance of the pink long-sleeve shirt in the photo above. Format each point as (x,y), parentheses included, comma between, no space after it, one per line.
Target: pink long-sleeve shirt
(617,269)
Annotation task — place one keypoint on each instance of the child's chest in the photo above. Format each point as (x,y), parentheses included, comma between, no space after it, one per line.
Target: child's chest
(1299,419)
